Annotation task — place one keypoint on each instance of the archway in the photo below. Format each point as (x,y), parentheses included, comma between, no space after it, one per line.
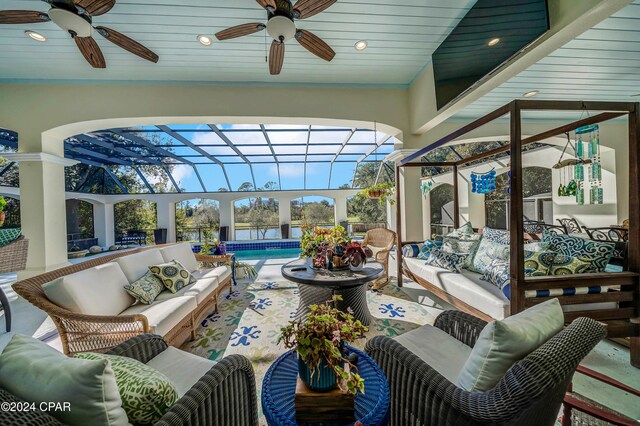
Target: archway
(256,218)
(80,226)
(441,208)
(312,210)
(197,220)
(134,217)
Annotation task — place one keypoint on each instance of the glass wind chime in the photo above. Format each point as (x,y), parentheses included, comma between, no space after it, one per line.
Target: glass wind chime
(483,183)
(589,136)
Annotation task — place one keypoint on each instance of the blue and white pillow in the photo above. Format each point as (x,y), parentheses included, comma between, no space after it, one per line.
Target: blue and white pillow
(426,248)
(537,246)
(497,273)
(496,235)
(486,253)
(411,250)
(599,252)
(466,244)
(466,229)
(451,261)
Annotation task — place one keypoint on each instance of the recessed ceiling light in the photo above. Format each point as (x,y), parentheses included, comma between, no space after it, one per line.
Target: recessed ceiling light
(361,45)
(205,40)
(36,36)
(530,94)
(493,41)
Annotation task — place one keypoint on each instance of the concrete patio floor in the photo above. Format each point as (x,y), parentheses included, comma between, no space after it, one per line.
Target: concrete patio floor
(608,358)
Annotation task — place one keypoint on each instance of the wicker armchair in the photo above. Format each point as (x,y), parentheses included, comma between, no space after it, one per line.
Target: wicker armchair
(380,241)
(225,395)
(530,393)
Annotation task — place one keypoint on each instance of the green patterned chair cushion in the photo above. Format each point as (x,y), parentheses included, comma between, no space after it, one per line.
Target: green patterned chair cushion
(465,244)
(538,263)
(145,289)
(9,235)
(146,393)
(599,252)
(486,253)
(173,275)
(570,265)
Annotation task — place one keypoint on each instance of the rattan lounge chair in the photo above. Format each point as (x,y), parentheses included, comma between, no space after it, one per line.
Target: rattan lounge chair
(380,241)
(530,393)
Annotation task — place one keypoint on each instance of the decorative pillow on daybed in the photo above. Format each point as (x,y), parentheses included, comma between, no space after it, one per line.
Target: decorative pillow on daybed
(465,229)
(146,393)
(497,273)
(504,342)
(496,235)
(173,275)
(464,244)
(570,265)
(146,289)
(599,252)
(486,253)
(426,248)
(537,246)
(450,261)
(538,263)
(411,250)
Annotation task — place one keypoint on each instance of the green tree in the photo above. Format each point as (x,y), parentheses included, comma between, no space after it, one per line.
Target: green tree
(368,211)
(318,212)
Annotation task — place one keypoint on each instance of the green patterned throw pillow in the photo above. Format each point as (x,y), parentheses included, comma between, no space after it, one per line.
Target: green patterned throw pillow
(173,275)
(570,265)
(9,235)
(146,393)
(145,289)
(538,263)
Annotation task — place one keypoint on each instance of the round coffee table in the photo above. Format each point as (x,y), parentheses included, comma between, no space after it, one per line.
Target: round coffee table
(319,285)
(279,389)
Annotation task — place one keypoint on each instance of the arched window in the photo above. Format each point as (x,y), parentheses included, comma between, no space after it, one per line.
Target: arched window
(197,219)
(257,219)
(317,211)
(135,216)
(441,203)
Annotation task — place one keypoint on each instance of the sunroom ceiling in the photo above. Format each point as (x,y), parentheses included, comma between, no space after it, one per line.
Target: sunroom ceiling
(602,64)
(401,39)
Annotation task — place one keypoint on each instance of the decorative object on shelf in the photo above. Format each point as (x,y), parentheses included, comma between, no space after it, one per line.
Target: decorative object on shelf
(483,183)
(3,203)
(380,191)
(212,245)
(319,342)
(426,185)
(356,256)
(244,270)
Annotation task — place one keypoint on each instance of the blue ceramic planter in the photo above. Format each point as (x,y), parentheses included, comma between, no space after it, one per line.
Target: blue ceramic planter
(324,379)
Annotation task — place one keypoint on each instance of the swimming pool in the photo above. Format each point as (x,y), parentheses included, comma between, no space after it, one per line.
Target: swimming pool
(275,253)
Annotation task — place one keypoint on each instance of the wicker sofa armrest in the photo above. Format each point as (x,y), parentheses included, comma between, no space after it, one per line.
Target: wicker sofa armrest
(461,326)
(23,417)
(143,348)
(213,258)
(225,395)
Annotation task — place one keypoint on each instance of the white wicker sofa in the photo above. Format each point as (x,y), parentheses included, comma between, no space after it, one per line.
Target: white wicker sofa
(93,312)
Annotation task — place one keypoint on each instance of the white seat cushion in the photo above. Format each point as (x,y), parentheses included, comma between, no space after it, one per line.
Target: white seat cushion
(466,286)
(95,291)
(182,368)
(163,315)
(136,265)
(442,352)
(183,254)
(201,289)
(220,272)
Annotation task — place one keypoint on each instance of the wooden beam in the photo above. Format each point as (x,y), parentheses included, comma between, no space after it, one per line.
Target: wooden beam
(398,227)
(516,212)
(435,164)
(550,105)
(633,256)
(456,198)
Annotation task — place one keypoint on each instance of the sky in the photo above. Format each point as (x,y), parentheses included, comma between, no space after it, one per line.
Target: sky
(292,174)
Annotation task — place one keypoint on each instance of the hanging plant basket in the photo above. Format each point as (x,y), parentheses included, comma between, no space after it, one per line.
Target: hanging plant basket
(375,194)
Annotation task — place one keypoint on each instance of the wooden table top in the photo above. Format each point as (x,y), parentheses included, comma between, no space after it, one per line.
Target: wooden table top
(297,272)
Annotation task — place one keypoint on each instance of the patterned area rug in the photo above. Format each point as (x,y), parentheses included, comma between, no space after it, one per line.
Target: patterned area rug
(249,319)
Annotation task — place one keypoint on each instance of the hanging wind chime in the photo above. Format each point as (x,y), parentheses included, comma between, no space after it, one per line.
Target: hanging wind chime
(590,136)
(483,183)
(571,174)
(426,184)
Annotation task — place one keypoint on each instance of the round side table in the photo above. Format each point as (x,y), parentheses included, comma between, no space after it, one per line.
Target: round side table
(279,387)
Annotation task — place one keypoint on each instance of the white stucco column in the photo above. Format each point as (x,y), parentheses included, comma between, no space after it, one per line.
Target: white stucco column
(103,224)
(284,212)
(411,204)
(426,216)
(42,201)
(226,217)
(167,218)
(340,209)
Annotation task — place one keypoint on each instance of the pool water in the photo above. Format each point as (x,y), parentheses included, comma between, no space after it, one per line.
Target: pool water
(267,254)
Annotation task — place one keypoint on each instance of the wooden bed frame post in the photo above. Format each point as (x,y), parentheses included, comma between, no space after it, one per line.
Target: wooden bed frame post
(633,255)
(516,224)
(398,227)
(456,198)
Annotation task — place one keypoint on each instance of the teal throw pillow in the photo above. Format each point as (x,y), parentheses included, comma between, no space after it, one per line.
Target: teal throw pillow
(145,289)
(9,235)
(426,248)
(173,275)
(146,393)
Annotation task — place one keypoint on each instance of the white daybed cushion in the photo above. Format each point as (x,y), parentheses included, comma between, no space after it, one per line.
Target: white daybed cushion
(466,286)
(442,352)
(163,315)
(220,273)
(135,266)
(182,368)
(183,254)
(201,289)
(95,291)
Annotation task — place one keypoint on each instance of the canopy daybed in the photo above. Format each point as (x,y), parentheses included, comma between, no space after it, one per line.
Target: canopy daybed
(618,307)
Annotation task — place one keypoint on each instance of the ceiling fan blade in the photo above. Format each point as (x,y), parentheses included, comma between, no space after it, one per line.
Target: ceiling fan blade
(91,51)
(307,8)
(267,3)
(240,30)
(96,7)
(276,57)
(315,45)
(127,44)
(22,17)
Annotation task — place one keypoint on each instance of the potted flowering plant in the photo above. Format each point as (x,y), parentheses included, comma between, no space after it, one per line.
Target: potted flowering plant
(319,245)
(380,191)
(319,342)
(355,255)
